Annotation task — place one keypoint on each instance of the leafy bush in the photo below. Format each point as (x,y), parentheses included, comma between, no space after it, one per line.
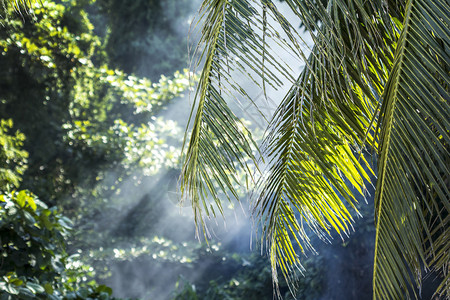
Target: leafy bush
(34,263)
(33,253)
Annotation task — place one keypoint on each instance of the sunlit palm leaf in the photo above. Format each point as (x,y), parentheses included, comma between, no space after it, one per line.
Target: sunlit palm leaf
(331,113)
(313,139)
(412,196)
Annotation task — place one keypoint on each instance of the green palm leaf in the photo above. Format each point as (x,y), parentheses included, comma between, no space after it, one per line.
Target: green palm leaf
(366,54)
(439,256)
(412,196)
(314,137)
(219,143)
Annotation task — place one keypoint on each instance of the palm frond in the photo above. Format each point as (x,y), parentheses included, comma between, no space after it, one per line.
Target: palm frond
(439,256)
(412,195)
(366,54)
(234,41)
(320,127)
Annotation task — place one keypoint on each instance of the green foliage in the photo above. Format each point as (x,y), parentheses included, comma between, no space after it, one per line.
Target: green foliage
(13,160)
(113,132)
(39,59)
(97,121)
(32,245)
(32,237)
(35,264)
(89,129)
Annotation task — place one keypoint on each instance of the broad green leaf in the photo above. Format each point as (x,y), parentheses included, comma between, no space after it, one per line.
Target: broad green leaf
(22,198)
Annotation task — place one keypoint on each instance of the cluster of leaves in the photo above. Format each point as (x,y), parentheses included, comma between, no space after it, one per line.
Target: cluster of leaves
(118,133)
(40,53)
(13,160)
(32,243)
(33,258)
(34,261)
(96,119)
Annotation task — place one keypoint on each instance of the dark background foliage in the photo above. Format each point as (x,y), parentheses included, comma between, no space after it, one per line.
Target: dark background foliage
(140,32)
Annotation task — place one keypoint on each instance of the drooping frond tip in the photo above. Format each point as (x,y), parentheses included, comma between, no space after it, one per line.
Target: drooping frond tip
(318,132)
(234,49)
